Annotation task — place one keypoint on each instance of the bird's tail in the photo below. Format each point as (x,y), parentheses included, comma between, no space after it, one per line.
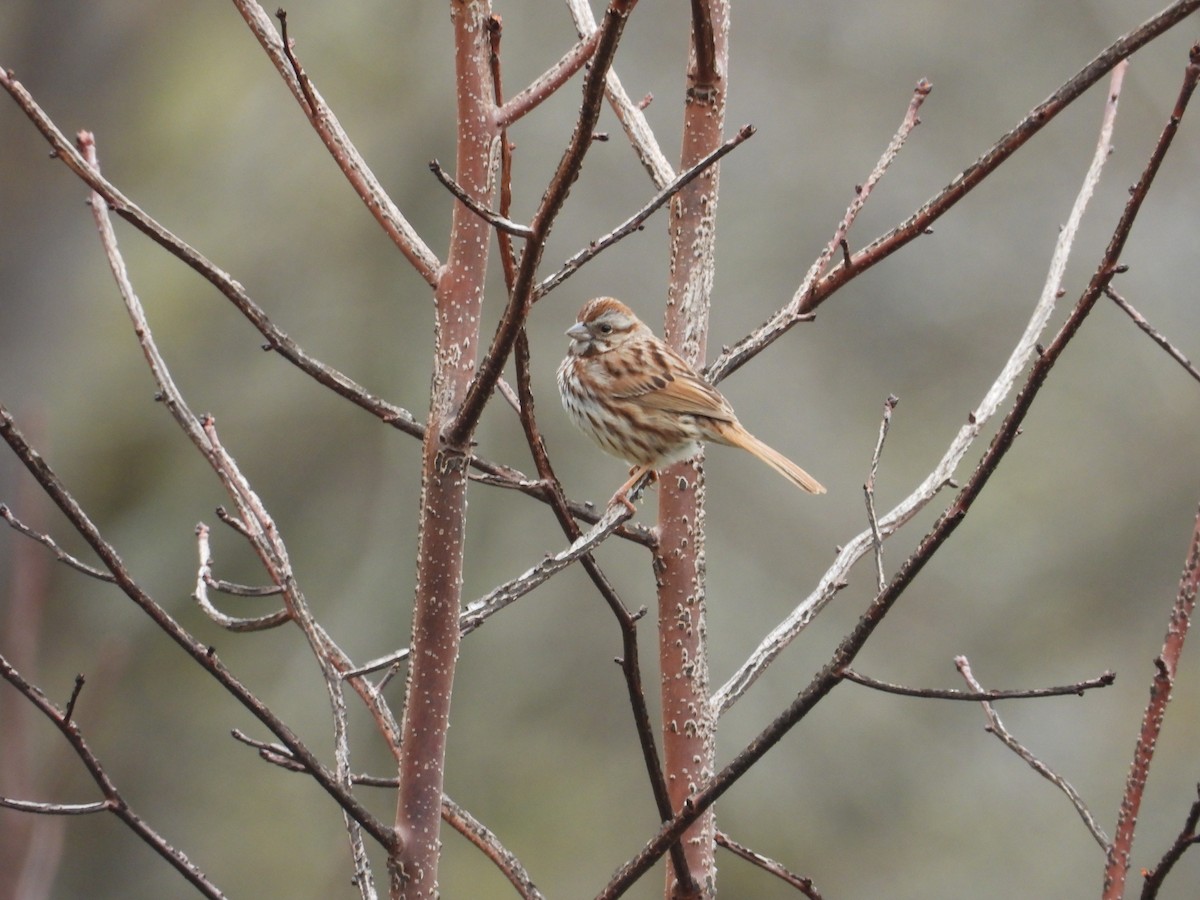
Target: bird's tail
(737,436)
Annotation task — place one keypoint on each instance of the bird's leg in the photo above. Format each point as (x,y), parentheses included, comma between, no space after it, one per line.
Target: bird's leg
(634,474)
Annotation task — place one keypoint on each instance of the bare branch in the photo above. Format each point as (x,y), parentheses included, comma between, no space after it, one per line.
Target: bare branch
(1154,333)
(980,696)
(996,727)
(634,222)
(800,883)
(491,217)
(60,554)
(869,489)
(917,224)
(204,579)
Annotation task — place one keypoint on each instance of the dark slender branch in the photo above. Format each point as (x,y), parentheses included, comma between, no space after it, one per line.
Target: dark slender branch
(69,711)
(1154,333)
(459,431)
(800,883)
(491,217)
(301,76)
(113,801)
(947,523)
(1188,837)
(634,222)
(888,687)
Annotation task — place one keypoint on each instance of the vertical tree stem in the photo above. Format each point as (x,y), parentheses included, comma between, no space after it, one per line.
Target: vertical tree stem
(689,726)
(435,636)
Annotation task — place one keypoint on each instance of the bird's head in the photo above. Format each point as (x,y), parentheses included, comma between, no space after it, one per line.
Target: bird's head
(603,325)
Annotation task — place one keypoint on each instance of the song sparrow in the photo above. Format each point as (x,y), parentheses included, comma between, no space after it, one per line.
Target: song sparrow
(640,400)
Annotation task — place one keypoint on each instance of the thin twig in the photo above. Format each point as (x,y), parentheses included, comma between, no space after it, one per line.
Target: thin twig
(69,711)
(869,489)
(1155,335)
(59,553)
(888,687)
(800,883)
(289,51)
(634,223)
(204,579)
(461,820)
(996,727)
(492,217)
(734,357)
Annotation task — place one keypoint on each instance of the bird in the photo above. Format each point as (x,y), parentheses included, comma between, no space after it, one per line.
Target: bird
(642,402)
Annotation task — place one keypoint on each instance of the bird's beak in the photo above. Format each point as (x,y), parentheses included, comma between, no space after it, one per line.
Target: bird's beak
(577,332)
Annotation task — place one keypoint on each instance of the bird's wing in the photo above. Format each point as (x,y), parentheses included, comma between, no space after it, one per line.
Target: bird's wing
(669,384)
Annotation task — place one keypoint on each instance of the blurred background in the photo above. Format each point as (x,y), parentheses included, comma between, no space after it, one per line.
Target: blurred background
(1066,567)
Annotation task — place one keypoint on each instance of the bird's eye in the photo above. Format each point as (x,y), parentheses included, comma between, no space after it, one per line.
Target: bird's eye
(604,328)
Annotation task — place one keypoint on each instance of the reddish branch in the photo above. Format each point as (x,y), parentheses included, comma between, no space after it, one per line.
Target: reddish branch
(1166,665)
(947,523)
(689,721)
